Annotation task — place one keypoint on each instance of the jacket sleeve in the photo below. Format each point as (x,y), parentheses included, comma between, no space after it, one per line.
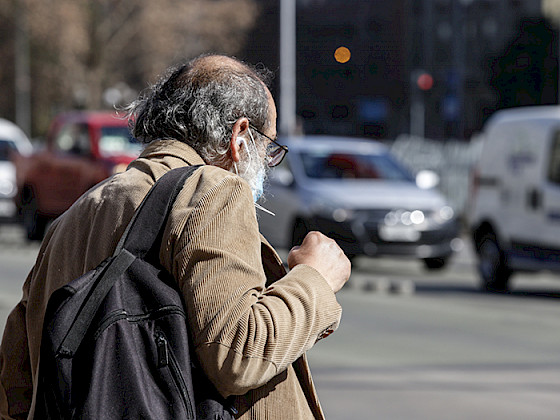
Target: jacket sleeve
(16,387)
(244,333)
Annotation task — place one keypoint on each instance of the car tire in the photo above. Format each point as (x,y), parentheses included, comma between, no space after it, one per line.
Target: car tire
(435,263)
(34,223)
(492,266)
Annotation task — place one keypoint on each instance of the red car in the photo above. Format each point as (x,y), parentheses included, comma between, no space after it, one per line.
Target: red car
(82,149)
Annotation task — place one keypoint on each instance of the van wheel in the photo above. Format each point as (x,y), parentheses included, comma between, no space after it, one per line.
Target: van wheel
(34,223)
(435,263)
(492,267)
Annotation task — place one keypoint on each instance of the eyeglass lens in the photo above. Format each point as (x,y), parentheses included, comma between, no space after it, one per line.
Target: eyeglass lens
(275,154)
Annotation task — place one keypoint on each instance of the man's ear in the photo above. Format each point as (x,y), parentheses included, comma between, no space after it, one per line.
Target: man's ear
(238,132)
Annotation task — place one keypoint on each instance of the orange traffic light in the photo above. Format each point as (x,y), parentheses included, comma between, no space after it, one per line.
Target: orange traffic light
(342,55)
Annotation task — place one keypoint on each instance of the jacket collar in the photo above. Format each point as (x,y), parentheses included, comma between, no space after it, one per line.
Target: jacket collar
(175,148)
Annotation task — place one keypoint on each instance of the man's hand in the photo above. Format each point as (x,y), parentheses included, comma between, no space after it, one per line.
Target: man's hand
(325,256)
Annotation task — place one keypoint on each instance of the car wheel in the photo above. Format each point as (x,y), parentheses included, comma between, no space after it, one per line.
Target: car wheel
(299,232)
(34,223)
(492,268)
(435,263)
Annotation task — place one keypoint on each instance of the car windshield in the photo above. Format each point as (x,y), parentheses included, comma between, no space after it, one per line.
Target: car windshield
(321,165)
(6,148)
(118,141)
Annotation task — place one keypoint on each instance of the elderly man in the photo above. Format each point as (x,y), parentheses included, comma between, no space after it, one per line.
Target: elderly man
(251,321)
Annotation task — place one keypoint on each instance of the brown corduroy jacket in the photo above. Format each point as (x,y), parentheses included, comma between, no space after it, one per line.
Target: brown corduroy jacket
(251,321)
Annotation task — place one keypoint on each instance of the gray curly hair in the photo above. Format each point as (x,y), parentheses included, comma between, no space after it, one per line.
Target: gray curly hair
(198,102)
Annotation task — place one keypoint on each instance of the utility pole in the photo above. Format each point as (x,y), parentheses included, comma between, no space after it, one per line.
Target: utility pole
(287,67)
(417,107)
(22,72)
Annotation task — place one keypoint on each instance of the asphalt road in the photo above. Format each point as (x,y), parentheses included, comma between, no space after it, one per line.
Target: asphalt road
(415,344)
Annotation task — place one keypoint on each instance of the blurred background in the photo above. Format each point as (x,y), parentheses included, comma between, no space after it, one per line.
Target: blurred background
(360,65)
(420,80)
(435,69)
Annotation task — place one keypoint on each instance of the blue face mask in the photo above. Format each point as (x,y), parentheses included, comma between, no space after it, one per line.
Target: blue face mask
(258,191)
(259,186)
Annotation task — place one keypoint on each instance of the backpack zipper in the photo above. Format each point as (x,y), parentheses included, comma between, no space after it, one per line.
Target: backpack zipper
(122,314)
(167,358)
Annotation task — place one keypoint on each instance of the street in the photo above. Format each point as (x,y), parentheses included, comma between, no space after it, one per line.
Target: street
(414,344)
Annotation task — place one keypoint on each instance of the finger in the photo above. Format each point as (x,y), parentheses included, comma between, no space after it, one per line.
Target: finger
(312,236)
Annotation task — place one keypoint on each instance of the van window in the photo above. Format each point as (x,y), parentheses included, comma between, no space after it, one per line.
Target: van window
(554,163)
(73,139)
(116,141)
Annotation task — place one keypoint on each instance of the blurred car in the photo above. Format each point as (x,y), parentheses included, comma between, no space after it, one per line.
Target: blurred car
(12,141)
(81,149)
(355,192)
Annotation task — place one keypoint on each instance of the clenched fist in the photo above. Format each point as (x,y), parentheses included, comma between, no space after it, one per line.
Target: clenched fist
(325,256)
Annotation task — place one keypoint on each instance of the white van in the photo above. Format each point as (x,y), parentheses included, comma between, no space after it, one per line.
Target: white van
(514,211)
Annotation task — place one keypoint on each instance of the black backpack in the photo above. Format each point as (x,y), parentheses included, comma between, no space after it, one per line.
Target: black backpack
(115,341)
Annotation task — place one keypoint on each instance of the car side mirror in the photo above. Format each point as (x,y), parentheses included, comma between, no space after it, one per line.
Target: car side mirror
(427,179)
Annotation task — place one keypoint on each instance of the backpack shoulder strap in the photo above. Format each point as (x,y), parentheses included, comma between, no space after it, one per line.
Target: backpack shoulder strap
(137,240)
(152,213)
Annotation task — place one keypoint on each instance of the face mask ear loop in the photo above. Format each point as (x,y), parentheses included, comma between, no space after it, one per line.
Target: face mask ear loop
(254,147)
(254,144)
(252,138)
(248,153)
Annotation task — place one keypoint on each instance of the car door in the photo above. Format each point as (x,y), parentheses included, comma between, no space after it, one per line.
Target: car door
(535,231)
(517,173)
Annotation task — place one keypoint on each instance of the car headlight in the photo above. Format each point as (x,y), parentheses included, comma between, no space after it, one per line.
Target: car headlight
(7,187)
(444,214)
(419,219)
(404,217)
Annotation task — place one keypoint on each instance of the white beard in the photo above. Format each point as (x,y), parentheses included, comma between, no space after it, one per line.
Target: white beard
(253,171)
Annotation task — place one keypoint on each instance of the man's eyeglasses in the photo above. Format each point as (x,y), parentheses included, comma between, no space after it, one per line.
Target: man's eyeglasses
(274,151)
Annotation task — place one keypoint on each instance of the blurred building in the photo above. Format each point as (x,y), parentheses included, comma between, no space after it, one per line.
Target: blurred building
(362,92)
(359,63)
(483,55)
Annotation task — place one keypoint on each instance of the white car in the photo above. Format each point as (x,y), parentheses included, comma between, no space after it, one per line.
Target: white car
(355,192)
(12,140)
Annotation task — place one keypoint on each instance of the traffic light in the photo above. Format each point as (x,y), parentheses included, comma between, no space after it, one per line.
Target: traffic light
(342,55)
(424,81)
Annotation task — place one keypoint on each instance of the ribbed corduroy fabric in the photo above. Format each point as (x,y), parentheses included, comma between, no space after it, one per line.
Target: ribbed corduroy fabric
(251,321)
